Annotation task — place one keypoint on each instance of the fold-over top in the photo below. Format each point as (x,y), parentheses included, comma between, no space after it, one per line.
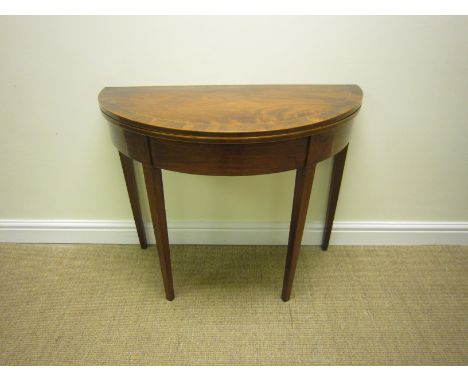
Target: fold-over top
(225,113)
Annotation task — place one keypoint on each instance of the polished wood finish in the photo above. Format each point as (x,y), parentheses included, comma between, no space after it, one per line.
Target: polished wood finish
(335,184)
(230,113)
(130,181)
(229,159)
(132,144)
(232,130)
(154,187)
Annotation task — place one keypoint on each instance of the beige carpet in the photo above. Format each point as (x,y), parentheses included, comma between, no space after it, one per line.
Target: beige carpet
(104,305)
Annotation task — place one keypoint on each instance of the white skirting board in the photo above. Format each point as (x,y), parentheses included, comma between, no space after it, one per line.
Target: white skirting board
(240,233)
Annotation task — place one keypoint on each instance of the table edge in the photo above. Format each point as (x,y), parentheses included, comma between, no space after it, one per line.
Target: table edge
(197,136)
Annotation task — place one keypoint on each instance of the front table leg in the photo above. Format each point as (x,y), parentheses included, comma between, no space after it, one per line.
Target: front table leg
(154,187)
(302,188)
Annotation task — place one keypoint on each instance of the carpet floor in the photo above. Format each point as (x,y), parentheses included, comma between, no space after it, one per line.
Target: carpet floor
(105,305)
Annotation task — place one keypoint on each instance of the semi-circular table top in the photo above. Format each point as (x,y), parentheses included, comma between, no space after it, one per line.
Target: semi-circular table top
(230,113)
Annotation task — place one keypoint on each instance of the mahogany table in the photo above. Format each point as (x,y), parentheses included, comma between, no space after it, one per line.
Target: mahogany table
(231,130)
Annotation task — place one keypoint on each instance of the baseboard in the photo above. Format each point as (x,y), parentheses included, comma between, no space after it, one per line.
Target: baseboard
(241,233)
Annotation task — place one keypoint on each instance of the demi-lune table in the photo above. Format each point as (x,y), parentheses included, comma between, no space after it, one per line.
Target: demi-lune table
(231,130)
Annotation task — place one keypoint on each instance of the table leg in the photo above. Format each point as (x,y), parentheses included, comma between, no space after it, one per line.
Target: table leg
(302,188)
(337,174)
(129,175)
(154,187)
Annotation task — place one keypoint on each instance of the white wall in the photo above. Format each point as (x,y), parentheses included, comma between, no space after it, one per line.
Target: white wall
(408,157)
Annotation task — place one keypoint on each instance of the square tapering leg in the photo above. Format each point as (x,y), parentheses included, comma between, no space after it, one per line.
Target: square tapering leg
(337,174)
(154,187)
(129,175)
(302,188)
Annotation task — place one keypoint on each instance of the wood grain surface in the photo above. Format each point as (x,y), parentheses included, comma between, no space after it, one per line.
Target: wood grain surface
(230,113)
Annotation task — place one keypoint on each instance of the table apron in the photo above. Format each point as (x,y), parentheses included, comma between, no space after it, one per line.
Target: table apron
(230,159)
